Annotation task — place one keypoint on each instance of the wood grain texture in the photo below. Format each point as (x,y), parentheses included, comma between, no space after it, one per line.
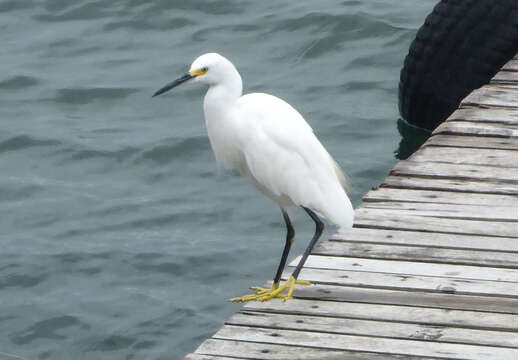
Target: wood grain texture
(365,343)
(405,282)
(355,249)
(478,129)
(428,239)
(463,272)
(394,330)
(269,351)
(512,65)
(459,141)
(455,155)
(384,219)
(505,96)
(505,77)
(457,171)
(450,211)
(484,116)
(384,194)
(474,186)
(208,357)
(438,300)
(391,313)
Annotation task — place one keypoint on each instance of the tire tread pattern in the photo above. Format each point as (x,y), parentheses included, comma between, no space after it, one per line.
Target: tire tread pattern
(460,47)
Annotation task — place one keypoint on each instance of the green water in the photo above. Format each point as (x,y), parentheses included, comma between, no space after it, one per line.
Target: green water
(120,237)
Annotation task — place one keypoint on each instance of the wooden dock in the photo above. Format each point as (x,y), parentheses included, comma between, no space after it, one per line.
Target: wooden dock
(430,270)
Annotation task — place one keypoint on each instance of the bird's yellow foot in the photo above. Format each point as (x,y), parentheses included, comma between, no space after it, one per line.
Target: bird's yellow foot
(263,294)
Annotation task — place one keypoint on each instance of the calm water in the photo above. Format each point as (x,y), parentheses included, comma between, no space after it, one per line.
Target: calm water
(120,237)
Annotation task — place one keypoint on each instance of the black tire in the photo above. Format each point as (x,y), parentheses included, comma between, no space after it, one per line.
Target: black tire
(460,47)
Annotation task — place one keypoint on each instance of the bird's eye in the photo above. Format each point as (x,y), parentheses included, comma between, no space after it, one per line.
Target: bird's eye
(205,69)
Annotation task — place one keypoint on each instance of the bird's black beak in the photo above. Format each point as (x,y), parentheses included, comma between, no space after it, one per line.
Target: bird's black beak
(174,84)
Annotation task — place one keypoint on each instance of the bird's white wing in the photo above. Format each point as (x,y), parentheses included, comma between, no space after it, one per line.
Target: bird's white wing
(284,157)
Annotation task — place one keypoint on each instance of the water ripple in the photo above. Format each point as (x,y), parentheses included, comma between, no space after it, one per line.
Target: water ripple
(171,148)
(24,142)
(113,343)
(79,96)
(64,11)
(45,329)
(146,23)
(18,82)
(119,155)
(22,280)
(10,5)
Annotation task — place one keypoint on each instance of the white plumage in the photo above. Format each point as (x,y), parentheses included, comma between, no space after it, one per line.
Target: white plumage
(270,144)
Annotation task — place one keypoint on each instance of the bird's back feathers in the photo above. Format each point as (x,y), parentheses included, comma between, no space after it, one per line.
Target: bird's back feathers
(286,161)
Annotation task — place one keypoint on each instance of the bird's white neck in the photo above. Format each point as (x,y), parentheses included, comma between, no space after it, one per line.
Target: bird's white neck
(224,93)
(219,105)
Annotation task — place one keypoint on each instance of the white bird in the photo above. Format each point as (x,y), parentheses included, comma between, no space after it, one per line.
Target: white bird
(272,146)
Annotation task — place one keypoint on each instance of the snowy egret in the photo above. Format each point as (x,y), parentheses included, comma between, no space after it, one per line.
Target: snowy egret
(271,145)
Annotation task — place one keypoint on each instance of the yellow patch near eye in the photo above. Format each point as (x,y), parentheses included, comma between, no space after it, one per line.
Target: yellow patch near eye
(198,72)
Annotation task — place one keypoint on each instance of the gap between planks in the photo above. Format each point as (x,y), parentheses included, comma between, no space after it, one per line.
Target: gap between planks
(462,186)
(426,254)
(454,318)
(428,239)
(376,328)
(365,344)
(484,116)
(476,129)
(383,219)
(329,270)
(448,211)
(384,194)
(467,156)
(269,351)
(503,96)
(457,171)
(437,300)
(471,142)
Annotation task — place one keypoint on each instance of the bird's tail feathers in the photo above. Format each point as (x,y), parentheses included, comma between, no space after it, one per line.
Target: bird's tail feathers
(344,181)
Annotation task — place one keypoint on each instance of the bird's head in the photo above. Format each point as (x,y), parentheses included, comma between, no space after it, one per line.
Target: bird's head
(210,68)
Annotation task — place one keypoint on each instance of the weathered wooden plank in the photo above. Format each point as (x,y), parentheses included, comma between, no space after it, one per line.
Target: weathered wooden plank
(384,194)
(505,96)
(209,357)
(451,185)
(470,128)
(485,116)
(355,249)
(365,344)
(385,219)
(512,65)
(394,330)
(449,211)
(393,313)
(457,171)
(459,141)
(408,298)
(411,268)
(428,239)
(505,77)
(453,271)
(455,155)
(268,351)
(329,274)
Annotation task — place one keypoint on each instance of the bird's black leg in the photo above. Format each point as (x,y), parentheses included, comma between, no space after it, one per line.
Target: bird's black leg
(319,228)
(277,290)
(290,235)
